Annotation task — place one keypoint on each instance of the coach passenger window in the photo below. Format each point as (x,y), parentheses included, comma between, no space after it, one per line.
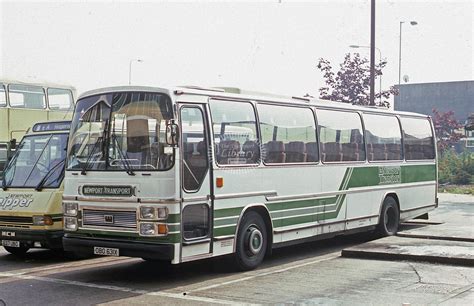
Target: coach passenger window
(3,96)
(288,134)
(60,99)
(418,139)
(384,138)
(27,96)
(340,135)
(235,133)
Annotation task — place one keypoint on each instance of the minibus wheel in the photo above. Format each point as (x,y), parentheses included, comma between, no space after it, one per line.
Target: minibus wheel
(389,217)
(251,241)
(21,251)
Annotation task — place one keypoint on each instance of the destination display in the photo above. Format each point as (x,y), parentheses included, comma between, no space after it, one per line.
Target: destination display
(108,191)
(52,126)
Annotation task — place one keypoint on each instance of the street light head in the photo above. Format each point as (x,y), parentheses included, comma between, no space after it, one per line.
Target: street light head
(140,60)
(413,23)
(354,46)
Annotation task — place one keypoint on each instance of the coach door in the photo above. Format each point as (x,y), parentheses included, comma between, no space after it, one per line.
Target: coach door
(196,214)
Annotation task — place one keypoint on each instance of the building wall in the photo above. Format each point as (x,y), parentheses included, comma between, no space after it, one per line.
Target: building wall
(444,96)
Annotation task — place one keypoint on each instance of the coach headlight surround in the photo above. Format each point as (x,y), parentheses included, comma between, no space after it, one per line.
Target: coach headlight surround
(70,208)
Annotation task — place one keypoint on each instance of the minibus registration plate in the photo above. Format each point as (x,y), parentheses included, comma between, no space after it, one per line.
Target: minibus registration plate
(106,251)
(11,243)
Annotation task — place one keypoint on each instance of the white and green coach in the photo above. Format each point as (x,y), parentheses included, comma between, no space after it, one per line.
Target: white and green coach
(188,173)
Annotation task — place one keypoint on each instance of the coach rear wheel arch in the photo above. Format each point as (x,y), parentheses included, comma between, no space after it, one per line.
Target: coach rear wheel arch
(389,217)
(252,241)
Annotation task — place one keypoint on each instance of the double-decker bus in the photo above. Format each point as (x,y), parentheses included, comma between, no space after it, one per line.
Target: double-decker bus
(188,173)
(22,104)
(31,190)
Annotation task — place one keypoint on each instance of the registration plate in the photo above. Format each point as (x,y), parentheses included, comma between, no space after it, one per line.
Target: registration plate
(106,251)
(11,243)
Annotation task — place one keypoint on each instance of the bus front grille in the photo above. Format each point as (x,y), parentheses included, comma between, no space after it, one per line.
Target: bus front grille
(106,218)
(15,219)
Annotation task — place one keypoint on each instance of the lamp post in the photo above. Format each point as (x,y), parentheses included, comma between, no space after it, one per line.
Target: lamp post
(380,61)
(130,69)
(413,23)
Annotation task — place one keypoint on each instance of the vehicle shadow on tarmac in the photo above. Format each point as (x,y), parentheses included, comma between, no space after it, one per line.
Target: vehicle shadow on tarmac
(149,275)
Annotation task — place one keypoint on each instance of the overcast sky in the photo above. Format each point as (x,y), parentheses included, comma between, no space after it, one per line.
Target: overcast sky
(265,46)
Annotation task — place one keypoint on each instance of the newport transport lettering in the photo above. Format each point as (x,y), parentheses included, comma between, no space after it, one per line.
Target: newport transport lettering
(108,190)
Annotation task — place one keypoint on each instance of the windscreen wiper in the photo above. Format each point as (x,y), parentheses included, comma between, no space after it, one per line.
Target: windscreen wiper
(40,185)
(88,160)
(9,165)
(123,159)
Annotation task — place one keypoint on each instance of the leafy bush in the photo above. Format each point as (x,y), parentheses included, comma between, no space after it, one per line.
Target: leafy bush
(456,168)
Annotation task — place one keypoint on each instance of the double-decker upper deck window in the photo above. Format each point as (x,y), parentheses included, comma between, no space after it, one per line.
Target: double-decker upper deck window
(340,135)
(384,138)
(59,99)
(26,96)
(235,133)
(3,96)
(288,134)
(417,138)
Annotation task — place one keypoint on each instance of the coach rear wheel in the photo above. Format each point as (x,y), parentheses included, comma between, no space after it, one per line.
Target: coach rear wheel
(251,241)
(21,251)
(389,217)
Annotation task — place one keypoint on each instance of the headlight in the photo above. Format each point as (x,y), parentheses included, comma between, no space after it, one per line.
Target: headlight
(153,213)
(42,220)
(148,229)
(70,224)
(70,208)
(147,212)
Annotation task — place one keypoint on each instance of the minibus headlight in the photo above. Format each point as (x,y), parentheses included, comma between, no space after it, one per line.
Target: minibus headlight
(42,220)
(148,229)
(147,212)
(70,224)
(70,208)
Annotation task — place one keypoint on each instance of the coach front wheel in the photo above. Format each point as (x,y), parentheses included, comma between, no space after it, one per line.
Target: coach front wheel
(252,240)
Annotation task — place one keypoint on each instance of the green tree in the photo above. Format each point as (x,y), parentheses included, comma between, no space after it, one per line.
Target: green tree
(351,83)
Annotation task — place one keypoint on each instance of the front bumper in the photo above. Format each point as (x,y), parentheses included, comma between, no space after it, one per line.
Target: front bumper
(27,238)
(85,247)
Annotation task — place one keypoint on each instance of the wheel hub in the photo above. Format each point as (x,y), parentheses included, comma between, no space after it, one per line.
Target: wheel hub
(255,240)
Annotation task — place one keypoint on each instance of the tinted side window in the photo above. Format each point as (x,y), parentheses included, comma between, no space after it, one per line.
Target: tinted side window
(27,96)
(384,138)
(418,139)
(3,96)
(288,134)
(341,136)
(235,133)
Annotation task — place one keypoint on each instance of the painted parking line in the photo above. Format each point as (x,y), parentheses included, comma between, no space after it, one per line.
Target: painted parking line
(179,292)
(65,267)
(118,288)
(270,271)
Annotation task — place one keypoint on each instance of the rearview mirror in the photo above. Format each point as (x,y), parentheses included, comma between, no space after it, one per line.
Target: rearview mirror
(172,134)
(13,144)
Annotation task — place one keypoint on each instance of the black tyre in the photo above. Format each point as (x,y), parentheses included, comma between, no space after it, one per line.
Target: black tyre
(389,218)
(21,251)
(252,241)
